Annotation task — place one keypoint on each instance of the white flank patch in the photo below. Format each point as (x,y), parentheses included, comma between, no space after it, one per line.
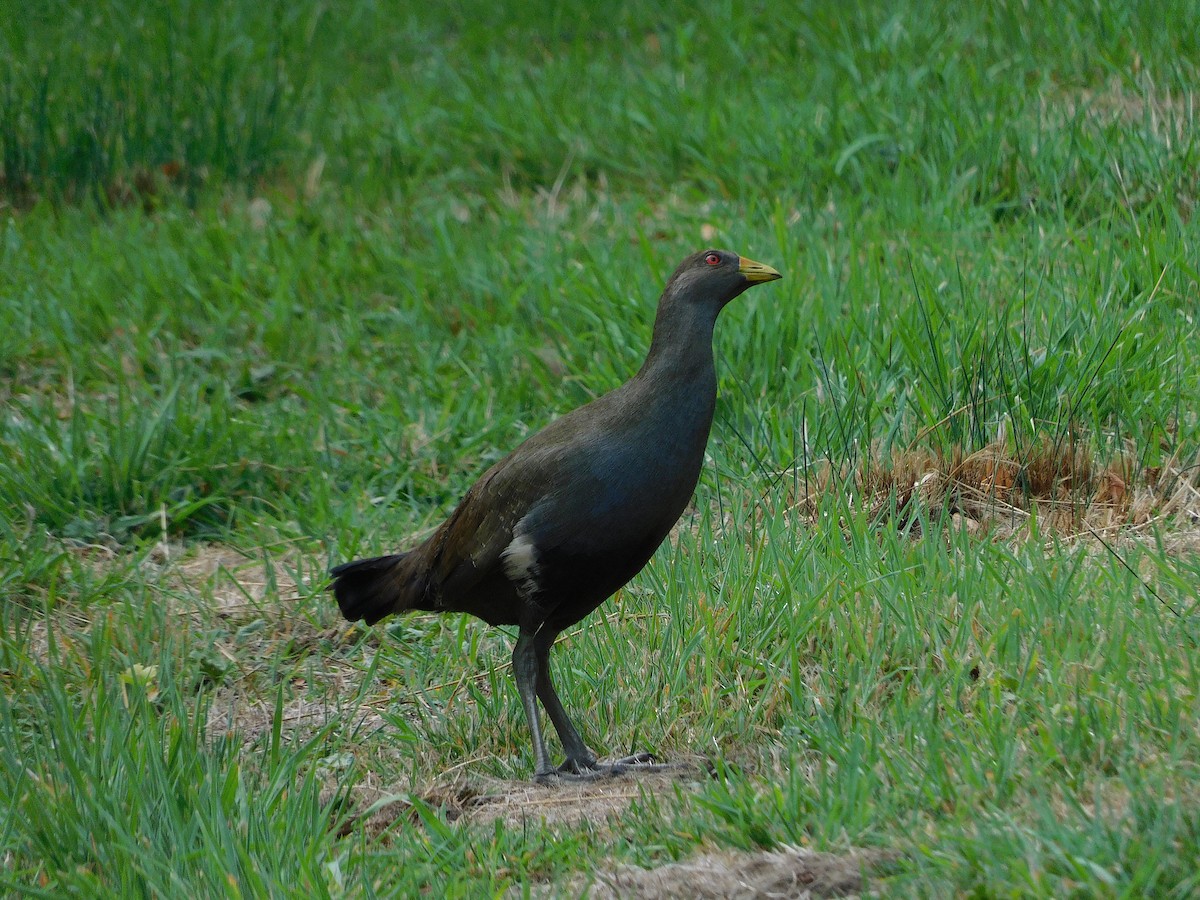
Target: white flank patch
(521,565)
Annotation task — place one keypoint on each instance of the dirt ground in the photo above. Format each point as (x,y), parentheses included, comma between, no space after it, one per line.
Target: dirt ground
(786,872)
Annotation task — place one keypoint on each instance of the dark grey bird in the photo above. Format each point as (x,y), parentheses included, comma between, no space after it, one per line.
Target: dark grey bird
(557,526)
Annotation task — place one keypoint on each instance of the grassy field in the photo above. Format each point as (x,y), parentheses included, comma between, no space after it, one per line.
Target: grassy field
(278,280)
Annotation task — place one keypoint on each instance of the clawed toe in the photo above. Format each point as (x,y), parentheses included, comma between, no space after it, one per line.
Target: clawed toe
(642,761)
(573,771)
(640,764)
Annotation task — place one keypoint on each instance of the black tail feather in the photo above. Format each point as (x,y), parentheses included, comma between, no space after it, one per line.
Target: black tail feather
(369,589)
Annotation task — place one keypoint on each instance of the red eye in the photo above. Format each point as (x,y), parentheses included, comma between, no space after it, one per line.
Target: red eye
(712,259)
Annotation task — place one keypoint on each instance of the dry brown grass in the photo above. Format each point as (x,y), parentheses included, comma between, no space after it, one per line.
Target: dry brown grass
(1133,101)
(1004,493)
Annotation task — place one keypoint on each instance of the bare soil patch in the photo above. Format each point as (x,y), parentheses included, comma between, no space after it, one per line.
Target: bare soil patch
(599,805)
(787,872)
(1132,101)
(481,800)
(235,581)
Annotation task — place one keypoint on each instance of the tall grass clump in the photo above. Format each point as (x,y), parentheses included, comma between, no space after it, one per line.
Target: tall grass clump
(116,102)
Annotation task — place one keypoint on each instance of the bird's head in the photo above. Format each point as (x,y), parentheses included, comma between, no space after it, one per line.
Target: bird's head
(716,277)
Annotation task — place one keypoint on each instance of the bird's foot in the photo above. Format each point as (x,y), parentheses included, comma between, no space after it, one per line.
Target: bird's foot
(639,763)
(578,771)
(559,776)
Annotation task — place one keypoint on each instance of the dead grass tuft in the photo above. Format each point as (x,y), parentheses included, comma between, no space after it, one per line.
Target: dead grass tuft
(1132,101)
(1002,492)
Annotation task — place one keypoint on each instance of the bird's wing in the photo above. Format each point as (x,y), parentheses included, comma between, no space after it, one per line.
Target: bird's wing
(468,547)
(542,490)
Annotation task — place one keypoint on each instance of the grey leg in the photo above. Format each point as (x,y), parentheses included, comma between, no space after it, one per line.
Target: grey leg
(580,758)
(531,666)
(525,669)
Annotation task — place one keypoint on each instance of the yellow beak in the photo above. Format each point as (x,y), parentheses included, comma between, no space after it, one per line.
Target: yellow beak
(755,272)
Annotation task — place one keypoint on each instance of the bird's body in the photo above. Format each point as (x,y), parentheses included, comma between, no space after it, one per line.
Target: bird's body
(601,462)
(558,525)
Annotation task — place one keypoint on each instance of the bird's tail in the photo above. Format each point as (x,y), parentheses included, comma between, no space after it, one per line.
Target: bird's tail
(370,589)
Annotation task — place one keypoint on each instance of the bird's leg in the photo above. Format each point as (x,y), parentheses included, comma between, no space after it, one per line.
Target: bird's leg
(531,666)
(525,669)
(580,758)
(581,762)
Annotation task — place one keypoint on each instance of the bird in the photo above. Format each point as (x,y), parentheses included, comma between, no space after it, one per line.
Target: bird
(555,528)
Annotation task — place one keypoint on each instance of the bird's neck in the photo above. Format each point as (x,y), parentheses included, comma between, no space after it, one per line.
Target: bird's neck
(677,385)
(681,352)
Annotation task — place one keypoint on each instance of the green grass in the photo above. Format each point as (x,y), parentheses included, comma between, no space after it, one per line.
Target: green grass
(286,277)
